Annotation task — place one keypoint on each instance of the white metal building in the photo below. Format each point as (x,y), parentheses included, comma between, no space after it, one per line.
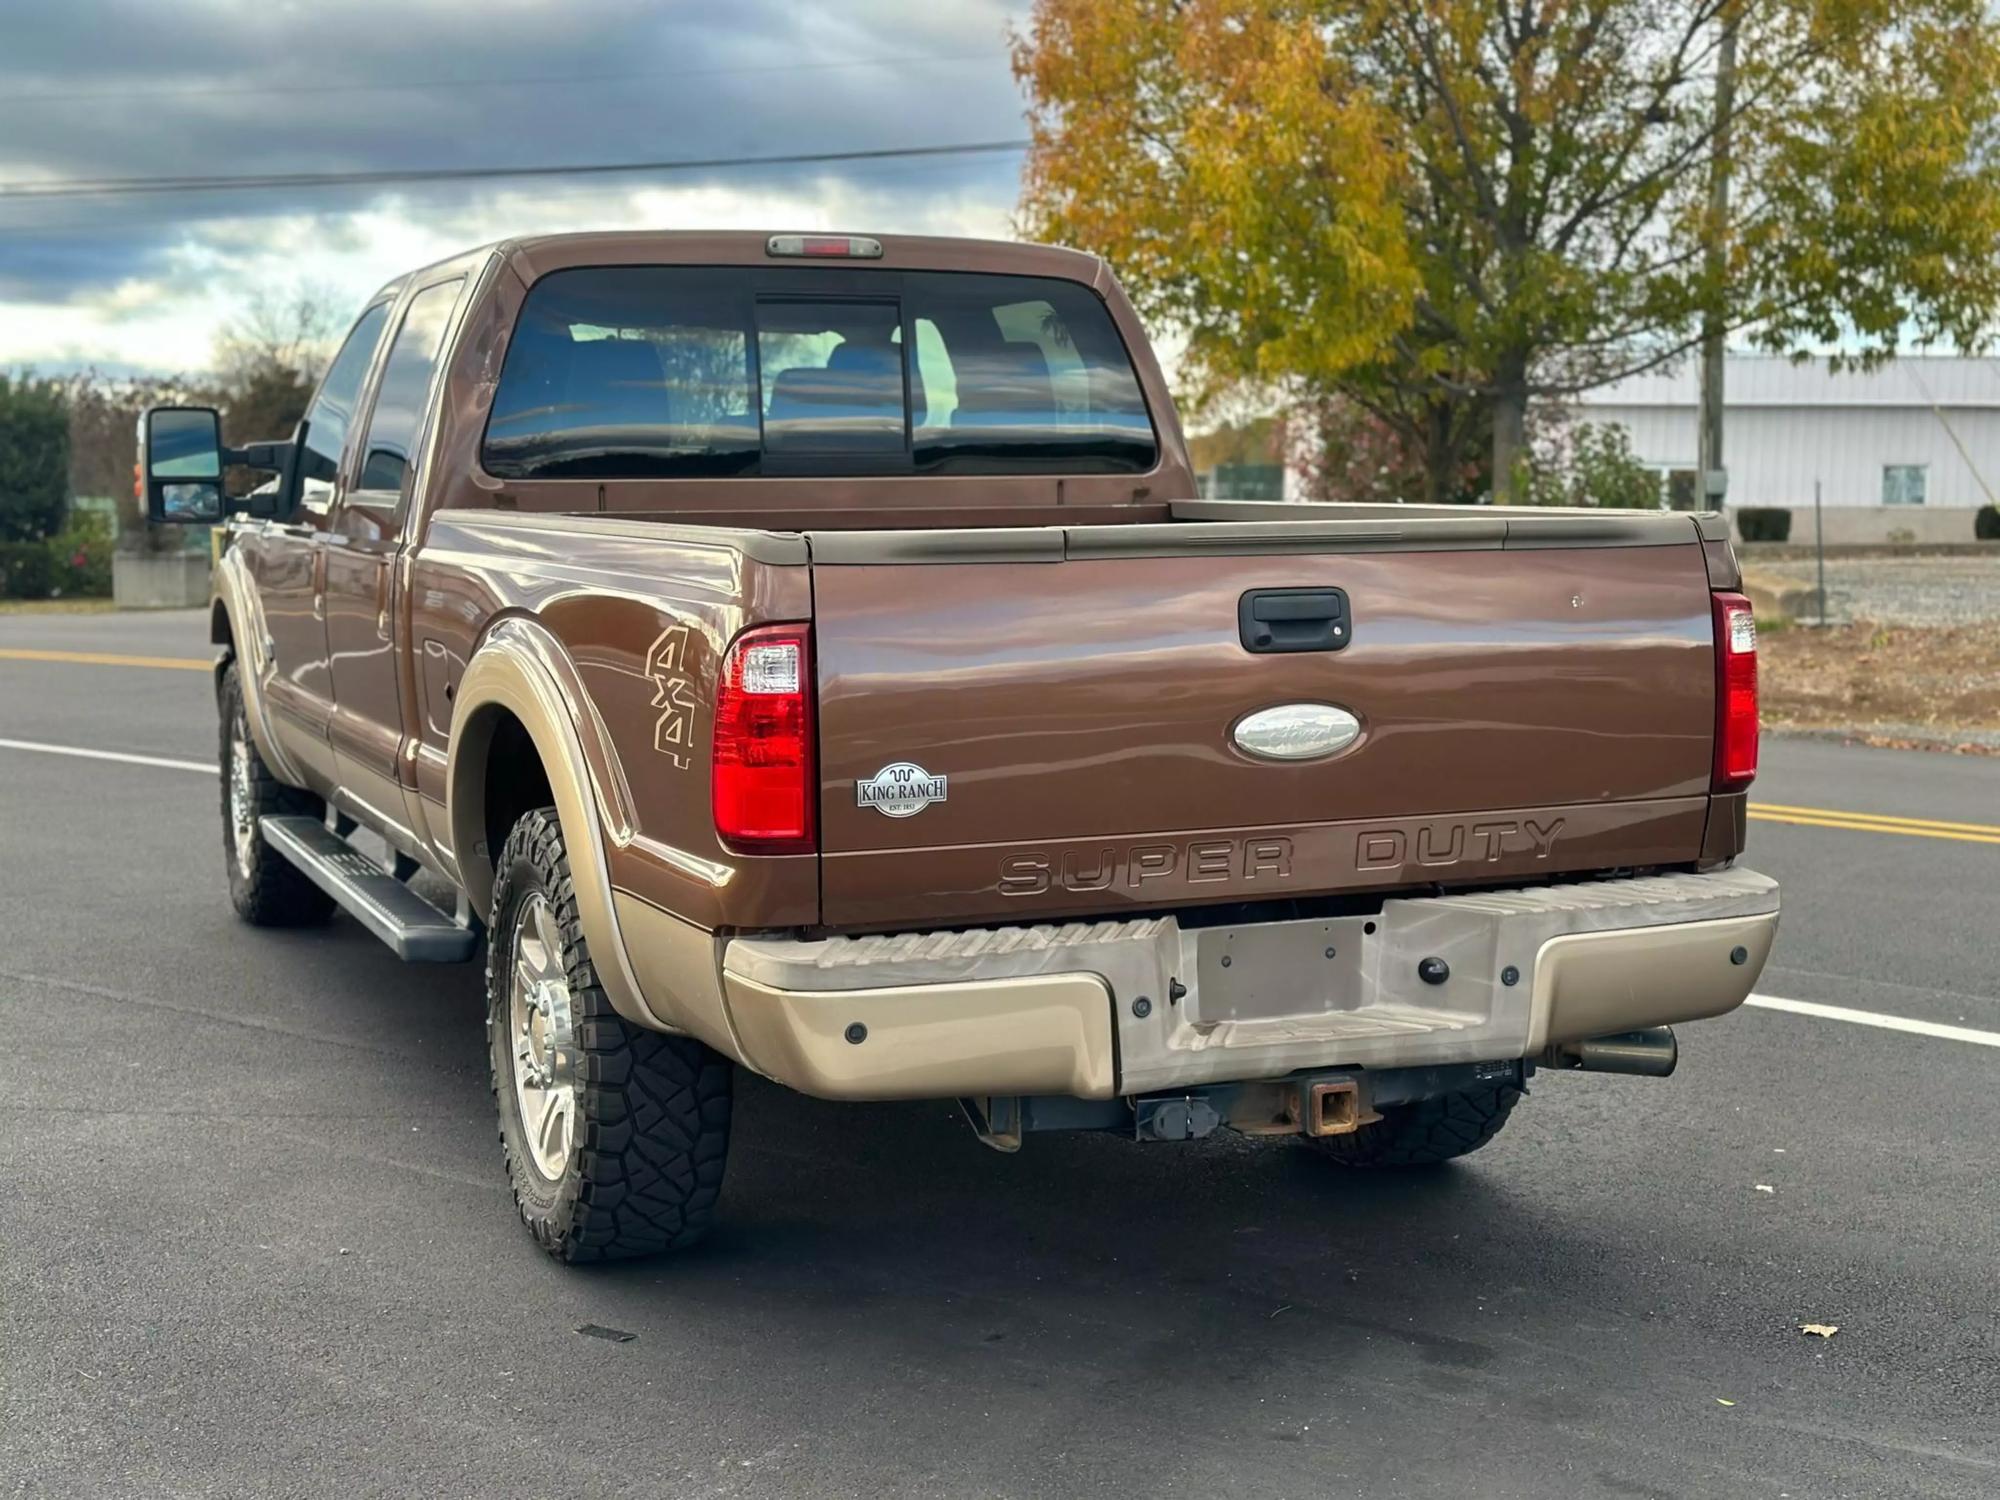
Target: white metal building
(1910,448)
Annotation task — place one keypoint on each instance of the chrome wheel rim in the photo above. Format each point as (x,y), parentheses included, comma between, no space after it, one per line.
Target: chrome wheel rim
(542,1035)
(242,806)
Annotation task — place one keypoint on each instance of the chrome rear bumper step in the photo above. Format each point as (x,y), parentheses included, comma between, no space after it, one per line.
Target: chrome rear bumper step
(417,930)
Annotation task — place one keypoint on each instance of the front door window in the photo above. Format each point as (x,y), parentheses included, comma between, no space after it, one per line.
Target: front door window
(332,409)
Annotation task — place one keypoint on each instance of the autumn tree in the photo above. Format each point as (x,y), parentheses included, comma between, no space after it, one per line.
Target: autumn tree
(104,414)
(268,360)
(1445,211)
(284,329)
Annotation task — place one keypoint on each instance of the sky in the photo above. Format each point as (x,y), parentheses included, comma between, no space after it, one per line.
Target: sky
(96,89)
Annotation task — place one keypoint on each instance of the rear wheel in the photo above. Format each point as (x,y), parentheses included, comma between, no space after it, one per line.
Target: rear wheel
(614,1136)
(1426,1132)
(266,889)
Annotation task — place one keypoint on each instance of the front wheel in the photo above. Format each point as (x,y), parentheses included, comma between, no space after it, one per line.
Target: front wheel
(1426,1132)
(614,1136)
(266,889)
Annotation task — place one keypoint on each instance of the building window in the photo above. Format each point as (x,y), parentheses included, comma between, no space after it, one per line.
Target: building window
(1903,484)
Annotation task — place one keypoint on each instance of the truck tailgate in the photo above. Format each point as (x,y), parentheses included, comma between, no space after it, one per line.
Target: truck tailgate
(1523,712)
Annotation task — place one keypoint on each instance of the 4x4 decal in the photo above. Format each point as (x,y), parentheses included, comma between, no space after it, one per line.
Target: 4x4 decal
(673,694)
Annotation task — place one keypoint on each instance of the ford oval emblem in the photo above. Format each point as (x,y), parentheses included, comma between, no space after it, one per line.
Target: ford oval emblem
(1296,731)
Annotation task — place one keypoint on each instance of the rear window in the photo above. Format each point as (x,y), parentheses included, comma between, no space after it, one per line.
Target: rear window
(666,372)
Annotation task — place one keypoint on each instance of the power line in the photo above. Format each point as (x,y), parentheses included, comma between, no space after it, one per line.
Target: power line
(116,218)
(202,91)
(73,225)
(118,187)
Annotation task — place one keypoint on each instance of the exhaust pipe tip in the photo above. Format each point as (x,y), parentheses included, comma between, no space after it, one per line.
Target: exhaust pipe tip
(1651,1053)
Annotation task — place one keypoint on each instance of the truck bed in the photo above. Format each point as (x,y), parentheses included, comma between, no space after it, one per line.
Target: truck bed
(1536,694)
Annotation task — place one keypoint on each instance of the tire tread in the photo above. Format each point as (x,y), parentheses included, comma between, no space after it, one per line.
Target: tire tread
(646,1175)
(1427,1132)
(273,892)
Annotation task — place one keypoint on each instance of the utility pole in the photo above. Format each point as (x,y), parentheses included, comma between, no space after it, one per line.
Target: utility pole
(1713,478)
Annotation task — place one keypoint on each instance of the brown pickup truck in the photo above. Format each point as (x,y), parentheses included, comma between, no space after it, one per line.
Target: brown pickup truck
(808,653)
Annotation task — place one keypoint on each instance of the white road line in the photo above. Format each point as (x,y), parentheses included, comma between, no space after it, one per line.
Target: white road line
(1877,1019)
(205,767)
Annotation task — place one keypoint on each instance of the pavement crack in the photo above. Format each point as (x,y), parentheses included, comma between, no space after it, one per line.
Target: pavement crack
(492,1184)
(88,1111)
(220,1018)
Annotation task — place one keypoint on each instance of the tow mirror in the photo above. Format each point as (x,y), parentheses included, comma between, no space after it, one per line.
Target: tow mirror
(181,453)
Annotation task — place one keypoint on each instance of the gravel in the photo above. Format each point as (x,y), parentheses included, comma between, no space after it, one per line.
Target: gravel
(1894,590)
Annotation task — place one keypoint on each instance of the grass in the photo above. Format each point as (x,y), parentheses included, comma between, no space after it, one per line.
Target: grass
(56,606)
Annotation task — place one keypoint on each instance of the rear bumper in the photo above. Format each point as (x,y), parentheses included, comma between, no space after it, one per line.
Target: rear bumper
(1096,1010)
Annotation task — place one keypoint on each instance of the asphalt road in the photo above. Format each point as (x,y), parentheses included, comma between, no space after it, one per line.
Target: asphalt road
(254,1237)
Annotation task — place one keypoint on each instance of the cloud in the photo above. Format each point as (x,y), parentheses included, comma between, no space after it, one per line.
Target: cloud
(131,90)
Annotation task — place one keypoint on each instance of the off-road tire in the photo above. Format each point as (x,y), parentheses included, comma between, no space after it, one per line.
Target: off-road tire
(644,1170)
(266,889)
(1427,1132)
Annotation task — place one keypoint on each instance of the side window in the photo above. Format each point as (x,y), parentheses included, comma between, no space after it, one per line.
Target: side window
(400,401)
(332,408)
(1903,484)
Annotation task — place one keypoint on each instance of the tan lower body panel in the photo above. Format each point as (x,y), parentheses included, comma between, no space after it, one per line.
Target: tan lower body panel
(1045,1034)
(679,980)
(1030,1010)
(1596,983)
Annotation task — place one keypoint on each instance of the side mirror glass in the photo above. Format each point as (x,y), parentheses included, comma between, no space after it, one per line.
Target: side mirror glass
(181,450)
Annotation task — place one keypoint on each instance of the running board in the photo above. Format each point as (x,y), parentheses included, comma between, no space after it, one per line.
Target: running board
(417,930)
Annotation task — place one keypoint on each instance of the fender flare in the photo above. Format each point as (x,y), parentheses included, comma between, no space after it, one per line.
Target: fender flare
(521,669)
(236,593)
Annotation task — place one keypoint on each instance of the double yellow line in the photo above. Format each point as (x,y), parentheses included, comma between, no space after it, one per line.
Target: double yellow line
(1916,828)
(110,659)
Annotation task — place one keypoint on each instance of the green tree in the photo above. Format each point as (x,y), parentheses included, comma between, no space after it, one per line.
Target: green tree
(34,458)
(1592,464)
(1446,211)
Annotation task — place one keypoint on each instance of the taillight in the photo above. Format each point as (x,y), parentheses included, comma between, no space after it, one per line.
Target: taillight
(765,791)
(1735,693)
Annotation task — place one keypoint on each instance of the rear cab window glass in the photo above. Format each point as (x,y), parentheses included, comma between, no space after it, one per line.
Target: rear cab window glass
(665,372)
(832,377)
(1034,379)
(636,372)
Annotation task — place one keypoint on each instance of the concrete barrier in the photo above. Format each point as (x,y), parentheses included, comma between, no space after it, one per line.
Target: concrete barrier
(159,580)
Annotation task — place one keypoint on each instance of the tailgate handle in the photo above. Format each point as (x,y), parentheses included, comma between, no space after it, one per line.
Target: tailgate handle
(1294,620)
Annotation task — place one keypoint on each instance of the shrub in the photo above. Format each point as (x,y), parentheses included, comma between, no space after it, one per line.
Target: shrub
(24,570)
(1594,465)
(74,563)
(80,558)
(1764,523)
(34,458)
(1986,524)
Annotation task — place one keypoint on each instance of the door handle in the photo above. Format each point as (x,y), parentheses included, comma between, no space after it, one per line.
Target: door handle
(1277,620)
